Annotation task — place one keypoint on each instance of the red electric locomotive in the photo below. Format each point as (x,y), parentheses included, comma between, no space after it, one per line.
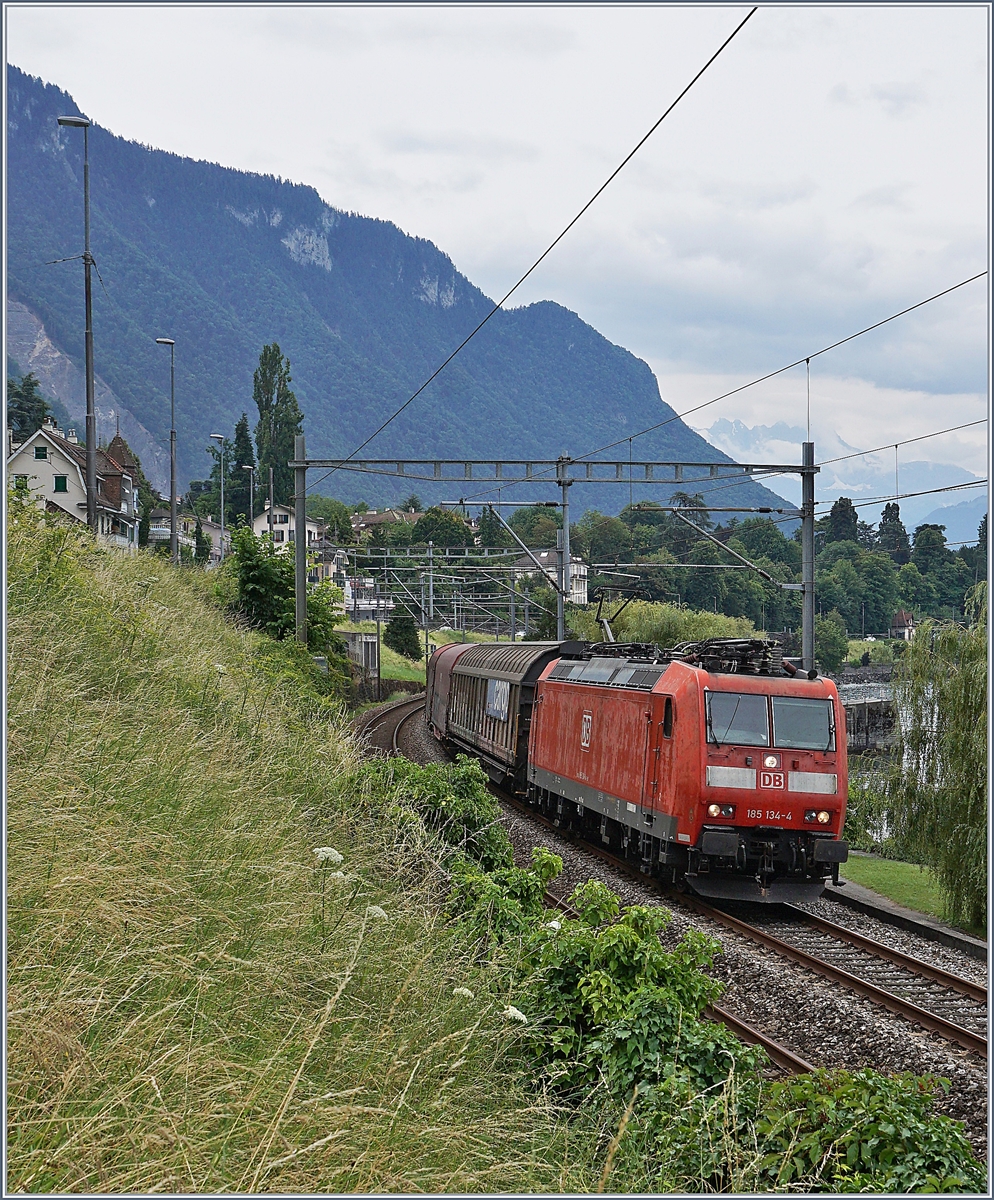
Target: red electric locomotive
(709,764)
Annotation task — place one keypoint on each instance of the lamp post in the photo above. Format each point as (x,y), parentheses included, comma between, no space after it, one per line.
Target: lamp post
(219,437)
(173,537)
(91,418)
(246,467)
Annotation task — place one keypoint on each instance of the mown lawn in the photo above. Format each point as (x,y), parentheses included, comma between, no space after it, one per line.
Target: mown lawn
(904,883)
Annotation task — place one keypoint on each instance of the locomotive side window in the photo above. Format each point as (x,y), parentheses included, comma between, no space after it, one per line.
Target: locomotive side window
(739,718)
(668,717)
(803,724)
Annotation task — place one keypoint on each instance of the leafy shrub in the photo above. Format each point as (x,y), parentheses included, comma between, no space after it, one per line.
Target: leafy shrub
(451,799)
(503,904)
(260,586)
(863,1131)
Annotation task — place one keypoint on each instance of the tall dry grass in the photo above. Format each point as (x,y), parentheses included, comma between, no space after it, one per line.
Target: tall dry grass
(195,1003)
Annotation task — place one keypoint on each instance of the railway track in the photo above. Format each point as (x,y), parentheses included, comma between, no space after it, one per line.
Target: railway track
(945,1004)
(380,727)
(922,994)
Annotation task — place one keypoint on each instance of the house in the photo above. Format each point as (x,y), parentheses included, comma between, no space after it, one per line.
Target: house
(158,530)
(902,626)
(324,561)
(363,523)
(548,560)
(364,601)
(52,467)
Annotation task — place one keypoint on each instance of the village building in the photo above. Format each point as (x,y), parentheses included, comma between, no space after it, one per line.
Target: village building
(524,568)
(902,626)
(51,466)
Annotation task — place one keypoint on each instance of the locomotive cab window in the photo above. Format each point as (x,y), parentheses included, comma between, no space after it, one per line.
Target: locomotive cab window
(737,718)
(668,717)
(803,724)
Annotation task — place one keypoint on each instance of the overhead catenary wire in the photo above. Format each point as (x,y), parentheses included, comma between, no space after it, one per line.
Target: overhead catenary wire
(538,478)
(906,442)
(548,250)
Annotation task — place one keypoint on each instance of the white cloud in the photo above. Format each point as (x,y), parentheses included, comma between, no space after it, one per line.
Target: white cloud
(829,169)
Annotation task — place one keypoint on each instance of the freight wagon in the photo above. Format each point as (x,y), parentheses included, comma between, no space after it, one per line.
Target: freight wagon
(709,764)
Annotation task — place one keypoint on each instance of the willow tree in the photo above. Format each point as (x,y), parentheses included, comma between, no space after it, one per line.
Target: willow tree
(940,789)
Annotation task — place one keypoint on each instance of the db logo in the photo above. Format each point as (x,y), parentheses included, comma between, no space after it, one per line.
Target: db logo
(771,779)
(585,724)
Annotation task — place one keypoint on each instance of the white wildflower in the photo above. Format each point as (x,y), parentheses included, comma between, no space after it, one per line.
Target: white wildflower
(556,925)
(515,1014)
(337,875)
(463,992)
(374,910)
(328,854)
(221,670)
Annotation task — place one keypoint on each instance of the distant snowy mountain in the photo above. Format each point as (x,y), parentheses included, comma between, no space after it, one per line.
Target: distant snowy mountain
(860,477)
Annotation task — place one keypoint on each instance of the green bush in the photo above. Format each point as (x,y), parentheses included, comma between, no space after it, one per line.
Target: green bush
(450,798)
(863,1131)
(401,635)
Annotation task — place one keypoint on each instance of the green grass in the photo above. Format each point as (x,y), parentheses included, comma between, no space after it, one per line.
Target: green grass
(904,883)
(194,1003)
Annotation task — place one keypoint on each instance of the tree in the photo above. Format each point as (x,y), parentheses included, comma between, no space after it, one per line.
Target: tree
(441,527)
(238,483)
(843,523)
(537,525)
(892,537)
(280,419)
(401,635)
(202,552)
(597,537)
(930,550)
(337,518)
(940,788)
(412,504)
(27,408)
(492,532)
(831,641)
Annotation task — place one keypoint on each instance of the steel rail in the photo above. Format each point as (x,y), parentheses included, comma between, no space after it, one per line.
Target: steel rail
(895,1004)
(973,1042)
(784,1058)
(378,723)
(955,983)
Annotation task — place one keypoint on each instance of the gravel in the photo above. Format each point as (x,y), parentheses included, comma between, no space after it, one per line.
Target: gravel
(819,1020)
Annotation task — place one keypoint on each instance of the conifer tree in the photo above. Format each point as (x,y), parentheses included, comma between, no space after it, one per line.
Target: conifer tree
(892,537)
(843,523)
(280,419)
(26,406)
(238,485)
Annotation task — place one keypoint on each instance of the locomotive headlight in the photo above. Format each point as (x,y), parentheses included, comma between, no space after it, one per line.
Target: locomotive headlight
(714,810)
(810,815)
(824,817)
(771,762)
(728,810)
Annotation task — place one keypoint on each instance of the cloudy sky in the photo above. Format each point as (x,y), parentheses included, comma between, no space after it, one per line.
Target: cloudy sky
(829,169)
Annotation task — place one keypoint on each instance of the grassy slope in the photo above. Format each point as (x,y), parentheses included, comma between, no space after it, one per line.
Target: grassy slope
(194,1005)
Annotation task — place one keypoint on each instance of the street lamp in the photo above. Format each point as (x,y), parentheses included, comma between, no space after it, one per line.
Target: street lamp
(219,437)
(91,418)
(247,467)
(173,538)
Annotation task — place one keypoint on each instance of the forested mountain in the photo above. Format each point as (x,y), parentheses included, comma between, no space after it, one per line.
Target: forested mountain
(225,261)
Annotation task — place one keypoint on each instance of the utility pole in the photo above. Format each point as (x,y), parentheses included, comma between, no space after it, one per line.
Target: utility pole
(219,438)
(91,416)
(808,557)
(376,597)
(562,542)
(270,510)
(173,535)
(300,544)
(513,614)
(431,583)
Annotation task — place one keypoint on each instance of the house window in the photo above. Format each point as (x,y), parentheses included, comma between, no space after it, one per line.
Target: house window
(278,535)
(62,483)
(41,452)
(282,518)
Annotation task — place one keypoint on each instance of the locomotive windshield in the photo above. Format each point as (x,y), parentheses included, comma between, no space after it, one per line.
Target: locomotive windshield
(739,718)
(803,724)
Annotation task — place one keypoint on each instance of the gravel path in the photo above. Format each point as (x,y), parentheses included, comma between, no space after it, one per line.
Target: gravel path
(822,1022)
